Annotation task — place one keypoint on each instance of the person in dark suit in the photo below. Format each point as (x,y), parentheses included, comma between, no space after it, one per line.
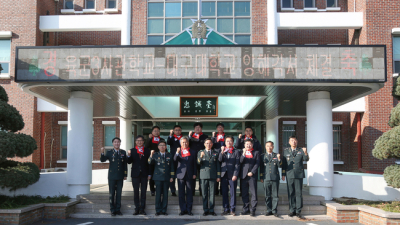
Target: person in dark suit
(250,161)
(218,140)
(293,158)
(173,141)
(164,174)
(210,173)
(140,172)
(186,174)
(117,173)
(269,176)
(230,166)
(152,144)
(196,143)
(248,134)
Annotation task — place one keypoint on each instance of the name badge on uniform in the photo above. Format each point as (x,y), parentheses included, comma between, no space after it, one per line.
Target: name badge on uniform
(298,153)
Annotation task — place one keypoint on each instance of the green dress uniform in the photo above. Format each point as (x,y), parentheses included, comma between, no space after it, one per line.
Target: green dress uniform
(164,170)
(210,170)
(269,172)
(116,173)
(294,168)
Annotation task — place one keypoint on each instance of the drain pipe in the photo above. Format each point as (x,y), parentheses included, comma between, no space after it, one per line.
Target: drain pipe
(42,142)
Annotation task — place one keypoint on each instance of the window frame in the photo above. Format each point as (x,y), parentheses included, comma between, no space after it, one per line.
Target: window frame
(65,3)
(61,146)
(285,143)
(336,4)
(166,36)
(108,147)
(3,74)
(393,58)
(116,4)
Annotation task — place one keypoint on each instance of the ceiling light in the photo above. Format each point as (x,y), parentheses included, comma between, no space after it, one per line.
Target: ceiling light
(105,95)
(50,88)
(286,100)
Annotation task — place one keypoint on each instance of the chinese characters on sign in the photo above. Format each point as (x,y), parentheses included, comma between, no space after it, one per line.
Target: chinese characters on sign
(200,63)
(199,106)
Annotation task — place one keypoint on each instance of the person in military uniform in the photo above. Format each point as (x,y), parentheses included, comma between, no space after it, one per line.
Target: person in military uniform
(186,174)
(248,134)
(173,141)
(196,143)
(210,173)
(117,173)
(218,140)
(250,161)
(140,172)
(164,173)
(152,144)
(230,166)
(293,158)
(269,176)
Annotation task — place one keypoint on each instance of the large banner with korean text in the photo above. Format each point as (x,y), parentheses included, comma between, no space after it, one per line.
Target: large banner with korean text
(286,63)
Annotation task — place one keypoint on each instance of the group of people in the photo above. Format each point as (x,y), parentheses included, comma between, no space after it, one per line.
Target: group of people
(216,160)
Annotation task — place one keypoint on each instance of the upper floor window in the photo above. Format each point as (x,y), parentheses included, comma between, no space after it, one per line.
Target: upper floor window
(69,4)
(109,134)
(90,4)
(331,3)
(309,3)
(287,3)
(396,54)
(231,18)
(111,4)
(5,54)
(287,132)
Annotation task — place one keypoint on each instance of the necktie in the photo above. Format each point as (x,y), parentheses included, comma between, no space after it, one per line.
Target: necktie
(269,157)
(294,152)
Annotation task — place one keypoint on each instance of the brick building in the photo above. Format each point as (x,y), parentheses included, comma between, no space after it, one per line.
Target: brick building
(356,124)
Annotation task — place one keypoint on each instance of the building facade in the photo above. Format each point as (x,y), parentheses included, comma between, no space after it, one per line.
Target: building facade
(356,124)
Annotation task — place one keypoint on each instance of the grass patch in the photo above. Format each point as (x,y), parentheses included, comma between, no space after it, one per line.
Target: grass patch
(389,206)
(7,202)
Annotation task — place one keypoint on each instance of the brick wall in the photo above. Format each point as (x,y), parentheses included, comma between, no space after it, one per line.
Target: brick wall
(139,22)
(90,38)
(259,22)
(347,216)
(320,37)
(23,218)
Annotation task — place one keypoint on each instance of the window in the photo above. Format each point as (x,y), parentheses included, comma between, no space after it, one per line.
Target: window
(109,134)
(331,3)
(111,4)
(337,143)
(231,18)
(309,3)
(5,54)
(90,4)
(69,4)
(64,140)
(287,3)
(287,131)
(396,54)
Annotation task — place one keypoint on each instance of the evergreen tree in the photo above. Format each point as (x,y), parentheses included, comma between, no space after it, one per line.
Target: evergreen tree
(14,175)
(388,145)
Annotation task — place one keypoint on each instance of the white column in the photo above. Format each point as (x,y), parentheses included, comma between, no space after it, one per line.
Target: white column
(125,133)
(79,154)
(272,28)
(272,129)
(126,22)
(320,144)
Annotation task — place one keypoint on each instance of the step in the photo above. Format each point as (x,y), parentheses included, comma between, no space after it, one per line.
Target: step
(197,209)
(201,217)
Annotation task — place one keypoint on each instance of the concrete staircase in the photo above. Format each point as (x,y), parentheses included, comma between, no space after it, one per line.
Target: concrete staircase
(95,205)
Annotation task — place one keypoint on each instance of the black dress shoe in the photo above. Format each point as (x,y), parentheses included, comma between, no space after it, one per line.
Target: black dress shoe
(165,214)
(268,213)
(276,215)
(225,213)
(113,214)
(299,215)
(253,214)
(173,194)
(205,213)
(182,213)
(245,213)
(142,212)
(153,193)
(190,213)
(136,212)
(157,213)
(212,214)
(233,213)
(292,214)
(119,213)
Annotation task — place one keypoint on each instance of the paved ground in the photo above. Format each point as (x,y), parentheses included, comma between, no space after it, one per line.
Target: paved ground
(181,222)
